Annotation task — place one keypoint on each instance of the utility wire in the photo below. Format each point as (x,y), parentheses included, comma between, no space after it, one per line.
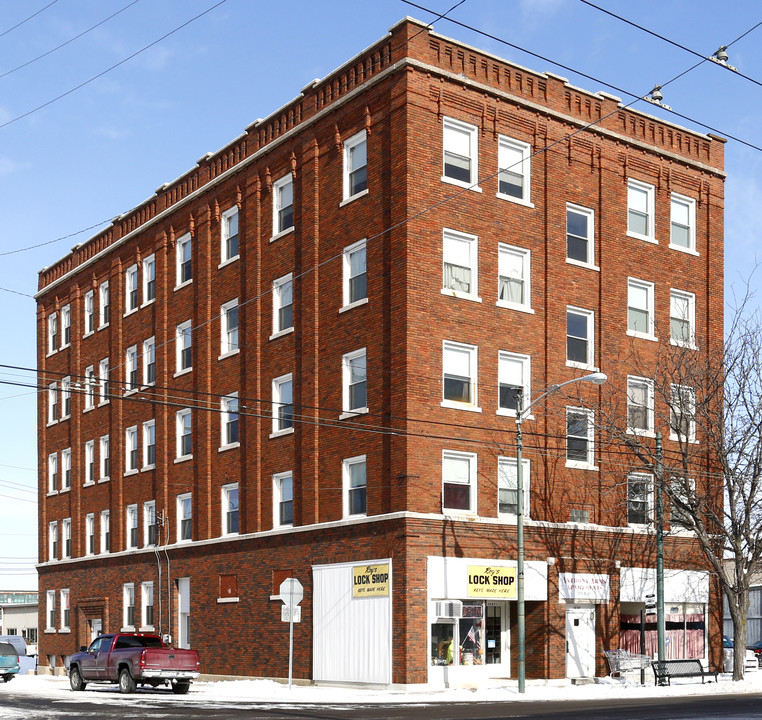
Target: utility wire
(33,15)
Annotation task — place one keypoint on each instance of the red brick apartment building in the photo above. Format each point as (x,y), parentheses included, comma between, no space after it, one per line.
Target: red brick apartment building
(301,358)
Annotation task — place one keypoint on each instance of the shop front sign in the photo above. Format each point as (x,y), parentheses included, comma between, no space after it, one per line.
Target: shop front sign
(370,580)
(583,586)
(492,581)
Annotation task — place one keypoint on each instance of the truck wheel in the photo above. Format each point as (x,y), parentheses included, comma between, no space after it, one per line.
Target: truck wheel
(126,682)
(75,680)
(7,678)
(181,687)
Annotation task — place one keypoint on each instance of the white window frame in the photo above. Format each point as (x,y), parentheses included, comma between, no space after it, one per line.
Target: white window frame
(451,129)
(648,386)
(104,305)
(506,480)
(52,403)
(89,324)
(521,167)
(183,332)
(589,238)
(149,360)
(229,407)
(351,370)
(634,285)
(349,253)
(636,186)
(65,326)
(349,146)
(589,317)
(280,188)
(281,287)
(452,241)
(677,393)
(149,430)
(229,333)
(149,521)
(183,422)
(131,525)
(104,457)
(505,361)
(52,473)
(89,462)
(277,390)
(648,501)
(507,255)
(50,610)
(131,289)
(131,379)
(146,594)
(589,462)
(66,469)
(53,540)
(149,277)
(690,299)
(689,204)
(457,455)
(89,387)
(227,509)
(90,534)
(454,350)
(184,502)
(65,397)
(65,598)
(66,539)
(347,465)
(128,601)
(279,499)
(52,333)
(105,532)
(227,219)
(183,241)
(131,450)
(678,489)
(103,386)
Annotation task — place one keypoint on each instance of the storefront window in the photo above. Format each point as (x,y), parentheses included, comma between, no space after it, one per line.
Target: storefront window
(442,652)
(459,642)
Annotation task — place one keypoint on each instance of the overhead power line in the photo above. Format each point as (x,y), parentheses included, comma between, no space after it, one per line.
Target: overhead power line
(26,20)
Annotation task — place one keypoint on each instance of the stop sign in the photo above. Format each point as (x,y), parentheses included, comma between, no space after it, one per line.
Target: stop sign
(291,592)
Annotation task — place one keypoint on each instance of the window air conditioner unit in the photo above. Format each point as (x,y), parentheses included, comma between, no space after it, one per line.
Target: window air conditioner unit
(449,609)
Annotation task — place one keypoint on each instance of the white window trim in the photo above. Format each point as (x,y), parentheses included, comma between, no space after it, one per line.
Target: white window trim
(131,513)
(277,498)
(526,373)
(345,381)
(472,476)
(179,517)
(525,171)
(89,299)
(66,535)
(147,425)
(144,592)
(50,609)
(131,368)
(66,465)
(691,298)
(691,203)
(53,473)
(148,261)
(350,143)
(473,352)
(226,215)
(692,410)
(224,415)
(52,334)
(128,588)
(53,409)
(103,382)
(347,268)
(89,456)
(65,314)
(225,506)
(278,186)
(503,461)
(526,263)
(180,242)
(346,465)
(89,533)
(225,349)
(588,464)
(105,528)
(149,510)
(89,388)
(473,266)
(104,442)
(277,287)
(276,402)
(633,283)
(130,437)
(649,383)
(179,427)
(149,344)
(52,540)
(179,334)
(590,213)
(131,271)
(473,131)
(65,597)
(590,317)
(676,485)
(103,292)
(650,236)
(649,479)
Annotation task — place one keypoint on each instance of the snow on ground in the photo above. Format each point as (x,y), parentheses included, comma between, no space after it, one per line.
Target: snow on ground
(233,692)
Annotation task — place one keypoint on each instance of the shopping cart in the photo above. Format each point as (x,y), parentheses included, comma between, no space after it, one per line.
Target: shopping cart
(621,661)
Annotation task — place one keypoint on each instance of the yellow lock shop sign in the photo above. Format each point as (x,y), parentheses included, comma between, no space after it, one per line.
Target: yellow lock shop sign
(370,580)
(490,581)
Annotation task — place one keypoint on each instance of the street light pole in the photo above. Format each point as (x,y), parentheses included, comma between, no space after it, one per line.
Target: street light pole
(597,378)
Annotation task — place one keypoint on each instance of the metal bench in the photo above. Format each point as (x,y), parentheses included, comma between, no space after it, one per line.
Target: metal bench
(668,669)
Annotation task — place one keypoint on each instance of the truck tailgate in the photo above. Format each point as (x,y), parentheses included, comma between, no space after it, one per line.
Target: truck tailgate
(169,659)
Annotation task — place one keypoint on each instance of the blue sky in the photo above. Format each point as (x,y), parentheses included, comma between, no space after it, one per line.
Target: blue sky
(99,150)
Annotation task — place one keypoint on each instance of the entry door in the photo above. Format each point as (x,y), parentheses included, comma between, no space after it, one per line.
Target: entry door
(580,642)
(96,628)
(496,651)
(183,615)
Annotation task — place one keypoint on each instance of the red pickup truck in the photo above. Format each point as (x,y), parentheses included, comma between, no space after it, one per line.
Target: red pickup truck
(133,659)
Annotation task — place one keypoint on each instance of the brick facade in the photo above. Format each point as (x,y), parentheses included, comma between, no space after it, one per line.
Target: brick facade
(584,149)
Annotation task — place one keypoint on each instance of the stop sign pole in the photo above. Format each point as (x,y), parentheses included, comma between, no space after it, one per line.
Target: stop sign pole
(291,594)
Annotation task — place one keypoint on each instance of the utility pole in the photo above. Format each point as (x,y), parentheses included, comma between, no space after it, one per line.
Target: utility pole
(659,551)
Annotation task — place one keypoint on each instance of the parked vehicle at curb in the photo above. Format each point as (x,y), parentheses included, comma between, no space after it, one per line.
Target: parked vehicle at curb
(132,659)
(9,661)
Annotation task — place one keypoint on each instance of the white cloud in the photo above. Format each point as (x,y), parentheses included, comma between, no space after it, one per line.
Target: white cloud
(7,166)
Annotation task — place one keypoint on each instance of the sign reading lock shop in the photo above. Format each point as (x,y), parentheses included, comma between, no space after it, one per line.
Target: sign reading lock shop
(491,581)
(370,580)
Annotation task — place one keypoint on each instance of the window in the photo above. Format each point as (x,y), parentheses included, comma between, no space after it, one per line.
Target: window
(640,308)
(65,612)
(104,305)
(66,397)
(52,403)
(149,444)
(149,279)
(283,499)
(53,473)
(51,610)
(149,523)
(90,534)
(128,616)
(184,340)
(682,413)
(640,210)
(580,234)
(283,409)
(89,387)
(229,419)
(131,369)
(460,265)
(65,325)
(683,501)
(131,537)
(89,312)
(52,333)
(283,304)
(230,509)
(105,457)
(513,281)
(579,338)
(184,434)
(355,273)
(458,481)
(640,405)
(184,260)
(355,486)
(682,318)
(579,438)
(513,374)
(229,239)
(66,528)
(66,470)
(53,540)
(682,232)
(460,142)
(105,531)
(507,486)
(514,169)
(229,328)
(146,597)
(103,381)
(131,289)
(459,364)
(355,165)
(131,449)
(355,374)
(283,205)
(184,517)
(149,361)
(89,462)
(639,498)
